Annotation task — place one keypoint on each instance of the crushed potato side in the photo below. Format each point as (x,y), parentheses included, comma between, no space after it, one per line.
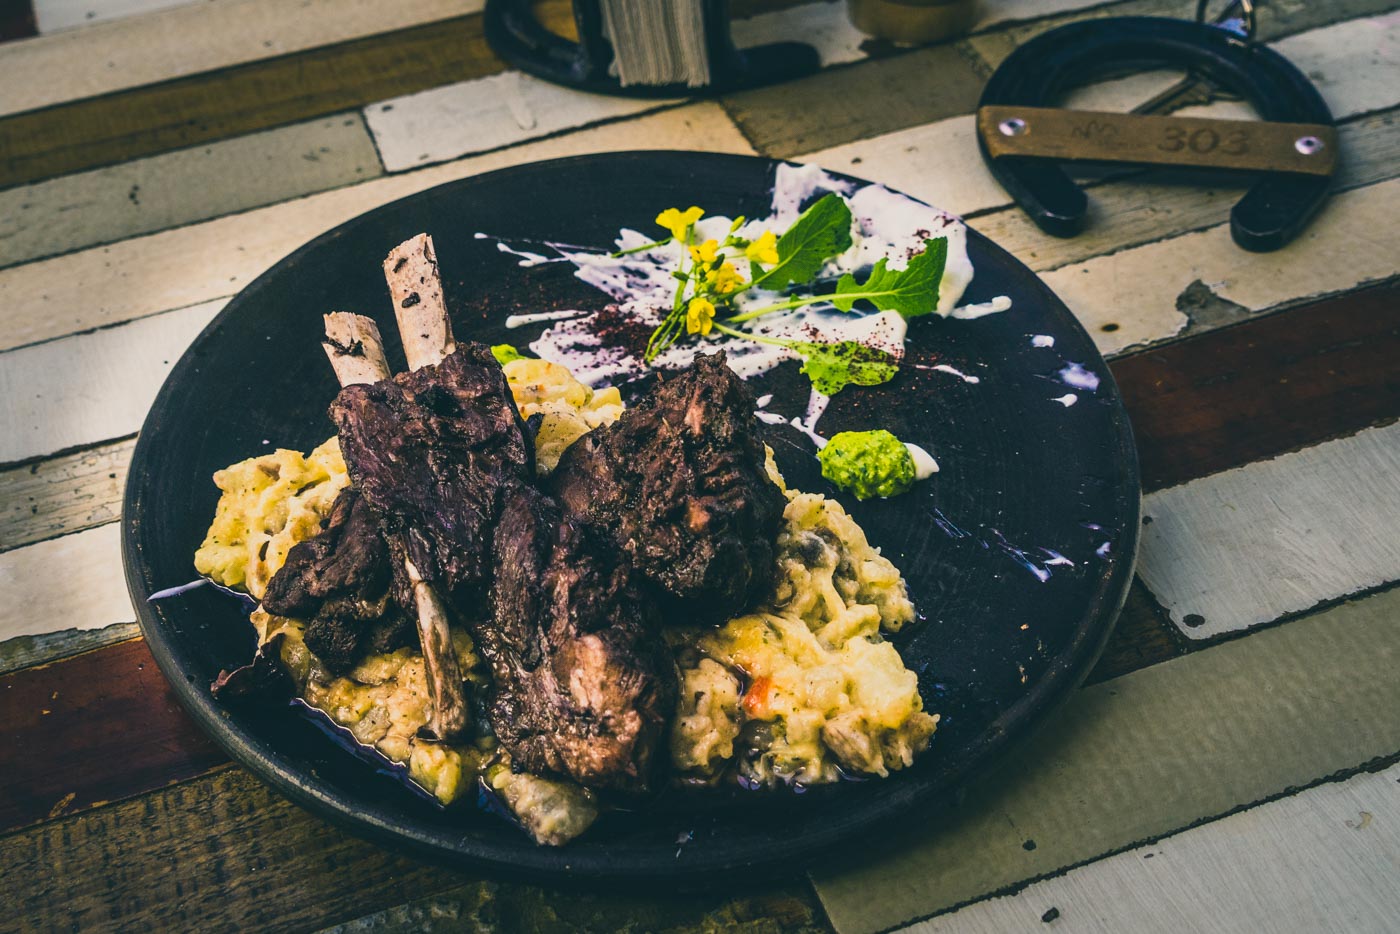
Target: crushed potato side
(269,503)
(806,688)
(568,408)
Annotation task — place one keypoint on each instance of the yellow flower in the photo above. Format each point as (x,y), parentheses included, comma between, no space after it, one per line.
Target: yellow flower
(724,280)
(678,221)
(699,316)
(705,252)
(764,249)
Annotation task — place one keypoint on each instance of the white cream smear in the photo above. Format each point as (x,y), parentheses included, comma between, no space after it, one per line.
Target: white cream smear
(924,464)
(885,225)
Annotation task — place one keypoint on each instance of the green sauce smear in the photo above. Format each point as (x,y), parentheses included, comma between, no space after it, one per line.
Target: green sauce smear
(504,353)
(868,463)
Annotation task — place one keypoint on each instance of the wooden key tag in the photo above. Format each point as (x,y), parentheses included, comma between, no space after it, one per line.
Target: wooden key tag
(1091,136)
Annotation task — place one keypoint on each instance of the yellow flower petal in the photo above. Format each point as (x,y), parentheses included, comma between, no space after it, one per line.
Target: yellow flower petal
(764,249)
(678,221)
(699,316)
(705,252)
(725,279)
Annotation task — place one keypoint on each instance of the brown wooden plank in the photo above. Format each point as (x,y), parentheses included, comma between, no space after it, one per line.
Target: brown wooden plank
(91,729)
(842,105)
(225,852)
(277,91)
(17,19)
(1265,386)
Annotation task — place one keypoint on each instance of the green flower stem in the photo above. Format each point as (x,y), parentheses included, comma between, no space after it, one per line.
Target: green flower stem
(780,306)
(757,338)
(643,248)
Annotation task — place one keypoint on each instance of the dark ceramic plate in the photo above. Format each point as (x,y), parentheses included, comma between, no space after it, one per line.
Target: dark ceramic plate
(997,651)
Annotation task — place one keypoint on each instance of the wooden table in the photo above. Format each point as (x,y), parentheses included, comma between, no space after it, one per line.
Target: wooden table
(1232,763)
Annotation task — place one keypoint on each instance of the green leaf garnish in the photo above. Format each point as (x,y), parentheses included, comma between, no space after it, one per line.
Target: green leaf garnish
(912,291)
(833,367)
(504,353)
(823,231)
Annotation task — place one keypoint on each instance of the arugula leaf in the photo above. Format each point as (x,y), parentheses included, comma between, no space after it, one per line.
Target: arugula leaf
(912,291)
(832,367)
(823,231)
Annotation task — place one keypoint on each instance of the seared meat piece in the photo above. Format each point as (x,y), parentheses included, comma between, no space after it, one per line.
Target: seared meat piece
(341,582)
(678,481)
(433,451)
(584,685)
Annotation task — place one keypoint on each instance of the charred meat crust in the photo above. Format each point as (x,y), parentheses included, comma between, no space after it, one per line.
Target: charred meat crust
(583,682)
(341,582)
(433,450)
(678,481)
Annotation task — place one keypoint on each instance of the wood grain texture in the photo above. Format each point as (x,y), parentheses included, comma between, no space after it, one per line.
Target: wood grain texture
(260,95)
(1264,387)
(68,727)
(80,390)
(56,15)
(24,652)
(1146,291)
(1323,859)
(62,495)
(835,107)
(1251,545)
(77,211)
(214,259)
(1140,756)
(193,38)
(224,852)
(487,113)
(73,582)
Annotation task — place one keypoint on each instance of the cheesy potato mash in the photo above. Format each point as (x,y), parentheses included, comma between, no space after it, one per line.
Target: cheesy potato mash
(799,691)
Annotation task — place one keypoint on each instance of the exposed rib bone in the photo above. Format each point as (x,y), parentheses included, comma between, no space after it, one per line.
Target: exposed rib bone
(416,287)
(355,349)
(449,714)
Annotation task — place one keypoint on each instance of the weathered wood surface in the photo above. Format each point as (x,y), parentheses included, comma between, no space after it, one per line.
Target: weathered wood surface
(1264,387)
(157,193)
(214,259)
(95,728)
(1140,756)
(80,390)
(62,495)
(177,854)
(1244,873)
(259,95)
(1275,537)
(189,36)
(73,582)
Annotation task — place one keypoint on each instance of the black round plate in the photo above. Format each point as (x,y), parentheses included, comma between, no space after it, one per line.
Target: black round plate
(999,646)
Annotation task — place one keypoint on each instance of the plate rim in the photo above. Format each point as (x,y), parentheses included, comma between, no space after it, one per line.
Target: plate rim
(534,862)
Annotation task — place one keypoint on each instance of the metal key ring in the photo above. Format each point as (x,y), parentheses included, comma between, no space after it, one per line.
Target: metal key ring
(1246,18)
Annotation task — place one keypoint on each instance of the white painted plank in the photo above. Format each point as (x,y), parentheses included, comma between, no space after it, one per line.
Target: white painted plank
(1249,545)
(56,15)
(90,387)
(76,211)
(73,582)
(214,259)
(1143,755)
(1350,243)
(1354,64)
(824,26)
(1325,859)
(486,113)
(190,39)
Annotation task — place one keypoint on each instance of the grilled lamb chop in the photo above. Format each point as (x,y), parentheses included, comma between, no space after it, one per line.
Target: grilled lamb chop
(678,481)
(434,450)
(342,583)
(583,683)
